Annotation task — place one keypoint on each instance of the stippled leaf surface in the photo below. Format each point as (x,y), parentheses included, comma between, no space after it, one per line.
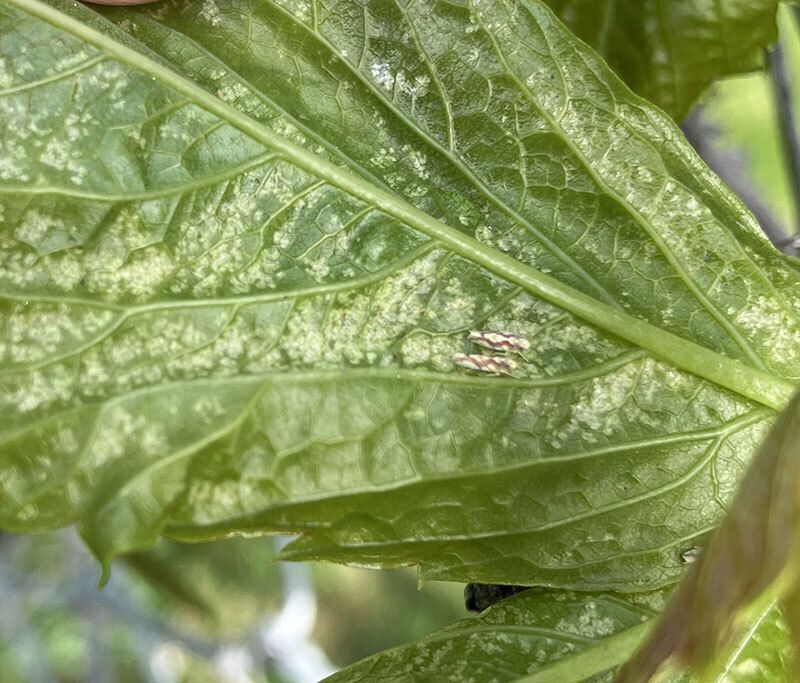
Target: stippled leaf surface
(528,635)
(761,652)
(669,52)
(752,558)
(552,637)
(241,242)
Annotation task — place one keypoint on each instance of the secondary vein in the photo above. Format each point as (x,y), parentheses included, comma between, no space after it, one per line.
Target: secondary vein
(756,384)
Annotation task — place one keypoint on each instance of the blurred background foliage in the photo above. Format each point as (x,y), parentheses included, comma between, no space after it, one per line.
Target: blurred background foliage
(223,611)
(227,611)
(742,113)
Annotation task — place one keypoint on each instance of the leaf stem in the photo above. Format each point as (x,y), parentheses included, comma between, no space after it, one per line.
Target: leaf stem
(755,384)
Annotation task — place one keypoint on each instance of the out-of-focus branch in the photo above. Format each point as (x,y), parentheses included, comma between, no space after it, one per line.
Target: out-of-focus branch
(787,119)
(730,166)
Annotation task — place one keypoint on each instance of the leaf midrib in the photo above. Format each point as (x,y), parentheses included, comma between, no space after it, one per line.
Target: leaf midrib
(635,215)
(763,387)
(731,203)
(447,153)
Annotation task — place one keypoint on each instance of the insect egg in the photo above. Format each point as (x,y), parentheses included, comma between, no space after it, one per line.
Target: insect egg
(495,365)
(499,341)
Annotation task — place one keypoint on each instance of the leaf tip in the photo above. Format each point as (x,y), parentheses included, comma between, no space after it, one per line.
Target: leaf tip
(105,573)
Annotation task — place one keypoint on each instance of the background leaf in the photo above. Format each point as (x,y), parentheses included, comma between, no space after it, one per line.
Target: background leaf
(670,52)
(238,261)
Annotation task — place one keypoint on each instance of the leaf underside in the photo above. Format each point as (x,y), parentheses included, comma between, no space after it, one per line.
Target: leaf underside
(752,558)
(241,242)
(670,52)
(551,637)
(522,635)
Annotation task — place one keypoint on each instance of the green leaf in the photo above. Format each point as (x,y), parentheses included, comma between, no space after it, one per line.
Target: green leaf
(761,652)
(242,242)
(545,635)
(753,558)
(669,52)
(552,637)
